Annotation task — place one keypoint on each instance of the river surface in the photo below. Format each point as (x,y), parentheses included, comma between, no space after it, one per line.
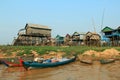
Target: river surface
(72,71)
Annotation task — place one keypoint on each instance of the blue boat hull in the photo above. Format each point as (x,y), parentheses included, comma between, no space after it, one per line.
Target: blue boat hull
(45,65)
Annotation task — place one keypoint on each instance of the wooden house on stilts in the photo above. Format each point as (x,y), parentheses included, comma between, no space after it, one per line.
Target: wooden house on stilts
(92,39)
(113,35)
(33,34)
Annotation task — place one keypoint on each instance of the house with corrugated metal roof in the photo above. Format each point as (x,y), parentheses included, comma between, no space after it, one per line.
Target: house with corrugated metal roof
(33,34)
(78,38)
(107,31)
(59,40)
(37,30)
(112,34)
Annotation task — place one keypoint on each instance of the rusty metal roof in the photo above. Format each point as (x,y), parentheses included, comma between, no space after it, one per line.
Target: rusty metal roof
(36,26)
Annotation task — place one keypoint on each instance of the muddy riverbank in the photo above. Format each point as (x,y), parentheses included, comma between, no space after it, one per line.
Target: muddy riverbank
(72,71)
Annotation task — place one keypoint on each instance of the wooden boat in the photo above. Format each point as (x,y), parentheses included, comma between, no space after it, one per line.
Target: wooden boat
(28,64)
(106,61)
(86,61)
(12,64)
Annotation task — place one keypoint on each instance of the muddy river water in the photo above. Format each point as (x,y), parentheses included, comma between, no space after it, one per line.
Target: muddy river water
(72,71)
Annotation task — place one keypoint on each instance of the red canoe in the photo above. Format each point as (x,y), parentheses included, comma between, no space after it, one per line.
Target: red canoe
(12,64)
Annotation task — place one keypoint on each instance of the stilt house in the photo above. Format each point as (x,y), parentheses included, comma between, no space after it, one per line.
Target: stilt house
(33,34)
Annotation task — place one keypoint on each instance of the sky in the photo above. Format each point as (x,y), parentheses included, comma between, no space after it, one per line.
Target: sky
(62,16)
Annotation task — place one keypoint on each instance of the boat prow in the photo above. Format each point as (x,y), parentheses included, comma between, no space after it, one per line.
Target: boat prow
(11,64)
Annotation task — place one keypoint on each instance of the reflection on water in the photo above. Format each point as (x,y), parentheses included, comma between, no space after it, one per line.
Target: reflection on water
(10,73)
(72,71)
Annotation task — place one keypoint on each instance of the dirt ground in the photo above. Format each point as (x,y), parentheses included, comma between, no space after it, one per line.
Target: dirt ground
(106,54)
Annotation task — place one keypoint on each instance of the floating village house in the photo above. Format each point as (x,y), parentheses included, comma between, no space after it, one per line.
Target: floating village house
(92,39)
(113,35)
(75,39)
(67,40)
(59,40)
(33,34)
(78,38)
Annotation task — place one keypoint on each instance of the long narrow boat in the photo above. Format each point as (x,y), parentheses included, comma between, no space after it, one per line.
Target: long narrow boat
(103,61)
(12,64)
(86,61)
(50,64)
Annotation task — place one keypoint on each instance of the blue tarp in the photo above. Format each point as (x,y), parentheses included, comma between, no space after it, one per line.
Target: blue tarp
(116,34)
(105,39)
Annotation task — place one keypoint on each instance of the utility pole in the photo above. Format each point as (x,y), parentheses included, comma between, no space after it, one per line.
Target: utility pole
(102,21)
(93,24)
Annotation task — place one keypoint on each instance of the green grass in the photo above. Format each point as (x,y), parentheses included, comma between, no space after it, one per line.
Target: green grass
(46,49)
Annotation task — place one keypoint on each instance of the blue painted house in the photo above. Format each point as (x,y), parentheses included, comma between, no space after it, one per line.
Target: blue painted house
(59,40)
(113,35)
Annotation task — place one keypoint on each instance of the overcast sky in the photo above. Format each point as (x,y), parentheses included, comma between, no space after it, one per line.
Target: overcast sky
(62,16)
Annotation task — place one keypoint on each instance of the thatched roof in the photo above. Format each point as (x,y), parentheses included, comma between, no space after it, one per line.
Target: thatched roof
(90,33)
(93,35)
(36,26)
